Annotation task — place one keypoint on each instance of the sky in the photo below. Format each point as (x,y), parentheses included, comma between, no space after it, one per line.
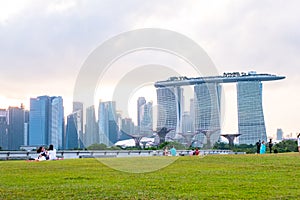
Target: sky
(43,45)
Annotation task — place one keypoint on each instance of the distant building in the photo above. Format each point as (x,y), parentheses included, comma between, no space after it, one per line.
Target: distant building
(107,123)
(103,123)
(279,134)
(16,133)
(170,109)
(127,129)
(207,103)
(78,108)
(187,123)
(251,123)
(3,129)
(140,102)
(207,98)
(56,122)
(91,129)
(145,117)
(74,130)
(46,121)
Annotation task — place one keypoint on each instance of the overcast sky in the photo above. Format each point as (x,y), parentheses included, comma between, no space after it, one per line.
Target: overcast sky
(43,45)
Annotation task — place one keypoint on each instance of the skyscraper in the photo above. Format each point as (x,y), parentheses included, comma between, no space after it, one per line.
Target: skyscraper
(103,123)
(91,129)
(16,134)
(3,129)
(207,103)
(250,112)
(279,134)
(78,106)
(140,102)
(107,122)
(144,116)
(207,98)
(74,130)
(187,123)
(46,121)
(56,122)
(39,120)
(170,109)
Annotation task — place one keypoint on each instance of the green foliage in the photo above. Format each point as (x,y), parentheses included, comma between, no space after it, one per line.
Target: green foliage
(97,147)
(248,148)
(271,176)
(286,146)
(102,147)
(170,144)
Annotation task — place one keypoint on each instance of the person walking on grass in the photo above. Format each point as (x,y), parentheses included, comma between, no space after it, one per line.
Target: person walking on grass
(258,144)
(263,148)
(270,145)
(298,141)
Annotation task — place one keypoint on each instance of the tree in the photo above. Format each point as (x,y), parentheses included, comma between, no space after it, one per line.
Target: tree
(97,147)
(286,146)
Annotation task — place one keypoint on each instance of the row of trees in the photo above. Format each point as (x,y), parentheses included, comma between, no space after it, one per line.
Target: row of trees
(281,147)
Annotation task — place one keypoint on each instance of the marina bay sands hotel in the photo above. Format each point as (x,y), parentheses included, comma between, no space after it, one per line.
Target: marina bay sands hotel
(207,104)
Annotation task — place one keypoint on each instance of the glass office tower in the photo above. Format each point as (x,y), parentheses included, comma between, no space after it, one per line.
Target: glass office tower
(207,97)
(170,109)
(250,112)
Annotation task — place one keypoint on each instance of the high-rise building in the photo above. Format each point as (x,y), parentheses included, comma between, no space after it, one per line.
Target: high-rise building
(170,109)
(39,120)
(3,129)
(103,123)
(56,124)
(127,129)
(107,122)
(140,102)
(26,128)
(279,134)
(91,129)
(187,123)
(16,133)
(207,98)
(251,124)
(74,130)
(145,116)
(78,106)
(192,109)
(46,121)
(207,103)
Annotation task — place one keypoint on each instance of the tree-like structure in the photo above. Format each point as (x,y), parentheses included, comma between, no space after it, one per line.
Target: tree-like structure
(162,132)
(230,138)
(208,134)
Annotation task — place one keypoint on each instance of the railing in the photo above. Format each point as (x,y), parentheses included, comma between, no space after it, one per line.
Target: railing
(68,154)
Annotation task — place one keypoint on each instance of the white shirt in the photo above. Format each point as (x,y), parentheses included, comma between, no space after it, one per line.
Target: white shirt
(298,141)
(52,154)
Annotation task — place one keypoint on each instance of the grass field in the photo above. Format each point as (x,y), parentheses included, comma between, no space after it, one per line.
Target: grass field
(211,177)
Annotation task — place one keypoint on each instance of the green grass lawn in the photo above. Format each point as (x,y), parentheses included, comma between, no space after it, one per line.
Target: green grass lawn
(211,177)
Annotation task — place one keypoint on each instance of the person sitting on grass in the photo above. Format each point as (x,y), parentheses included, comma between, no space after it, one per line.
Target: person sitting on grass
(43,154)
(52,152)
(173,151)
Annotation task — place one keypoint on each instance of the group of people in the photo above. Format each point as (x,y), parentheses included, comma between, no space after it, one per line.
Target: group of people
(44,154)
(194,152)
(262,148)
(172,151)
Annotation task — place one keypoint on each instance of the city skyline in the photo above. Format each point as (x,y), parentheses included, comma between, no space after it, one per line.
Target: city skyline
(42,49)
